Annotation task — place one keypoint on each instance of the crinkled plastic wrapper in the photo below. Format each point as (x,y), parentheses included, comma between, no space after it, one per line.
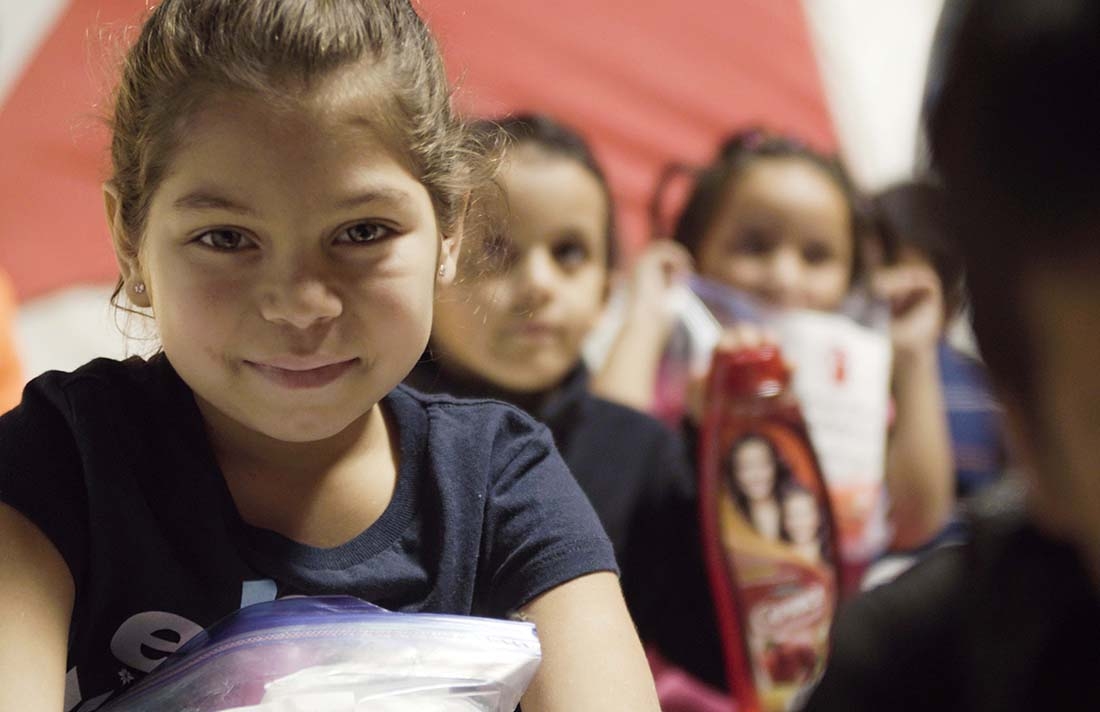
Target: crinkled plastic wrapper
(340,654)
(841,378)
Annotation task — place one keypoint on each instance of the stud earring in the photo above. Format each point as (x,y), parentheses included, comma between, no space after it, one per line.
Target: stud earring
(139,288)
(442,270)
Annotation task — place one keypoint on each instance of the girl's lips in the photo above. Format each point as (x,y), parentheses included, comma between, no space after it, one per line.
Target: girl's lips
(297,378)
(533,330)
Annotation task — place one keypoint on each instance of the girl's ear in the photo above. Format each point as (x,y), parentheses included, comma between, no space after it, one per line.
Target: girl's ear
(133,280)
(450,246)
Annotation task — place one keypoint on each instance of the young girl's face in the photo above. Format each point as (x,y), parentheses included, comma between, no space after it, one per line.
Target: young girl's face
(289,260)
(530,295)
(801,518)
(784,234)
(755,470)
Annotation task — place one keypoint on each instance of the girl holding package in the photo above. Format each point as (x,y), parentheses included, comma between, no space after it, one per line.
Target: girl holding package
(289,188)
(779,221)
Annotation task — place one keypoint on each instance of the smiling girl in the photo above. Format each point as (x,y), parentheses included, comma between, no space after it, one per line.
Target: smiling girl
(289,188)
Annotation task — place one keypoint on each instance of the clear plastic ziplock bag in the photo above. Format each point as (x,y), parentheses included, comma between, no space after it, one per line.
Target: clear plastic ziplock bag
(841,378)
(340,654)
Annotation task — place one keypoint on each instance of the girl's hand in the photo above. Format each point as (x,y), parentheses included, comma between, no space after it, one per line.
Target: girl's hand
(746,335)
(629,373)
(919,465)
(738,337)
(656,271)
(916,306)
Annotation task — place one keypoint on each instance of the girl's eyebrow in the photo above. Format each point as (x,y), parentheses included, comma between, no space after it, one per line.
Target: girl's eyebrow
(206,199)
(203,199)
(392,196)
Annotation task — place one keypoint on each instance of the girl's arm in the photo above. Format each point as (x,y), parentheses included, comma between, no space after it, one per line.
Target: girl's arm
(591,656)
(919,467)
(629,372)
(920,473)
(36,603)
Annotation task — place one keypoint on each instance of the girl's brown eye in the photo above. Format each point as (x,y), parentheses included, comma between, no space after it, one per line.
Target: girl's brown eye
(224,240)
(816,254)
(570,254)
(753,242)
(362,233)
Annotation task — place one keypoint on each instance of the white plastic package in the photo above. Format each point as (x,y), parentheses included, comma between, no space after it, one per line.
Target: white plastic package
(841,375)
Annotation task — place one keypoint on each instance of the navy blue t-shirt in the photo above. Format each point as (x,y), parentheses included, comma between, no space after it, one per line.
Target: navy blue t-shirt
(113,464)
(641,483)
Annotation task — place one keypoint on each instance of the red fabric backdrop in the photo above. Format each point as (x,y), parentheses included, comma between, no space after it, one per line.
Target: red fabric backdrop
(647,82)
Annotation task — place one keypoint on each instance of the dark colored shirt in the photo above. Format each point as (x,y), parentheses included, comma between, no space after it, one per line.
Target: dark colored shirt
(113,464)
(1007,621)
(641,483)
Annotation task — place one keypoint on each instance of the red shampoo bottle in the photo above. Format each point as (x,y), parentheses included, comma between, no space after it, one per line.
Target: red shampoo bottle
(769,534)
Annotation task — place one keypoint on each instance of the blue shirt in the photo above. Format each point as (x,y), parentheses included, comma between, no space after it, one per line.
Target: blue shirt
(113,464)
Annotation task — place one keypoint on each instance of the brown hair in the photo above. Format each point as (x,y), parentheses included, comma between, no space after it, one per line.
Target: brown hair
(912,214)
(275,49)
(559,139)
(710,185)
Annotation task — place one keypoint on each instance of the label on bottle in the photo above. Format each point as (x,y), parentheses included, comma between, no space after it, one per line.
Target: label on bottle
(777,572)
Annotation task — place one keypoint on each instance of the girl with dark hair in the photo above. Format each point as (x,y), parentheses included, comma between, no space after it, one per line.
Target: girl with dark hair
(511,327)
(776,219)
(910,220)
(756,477)
(290,188)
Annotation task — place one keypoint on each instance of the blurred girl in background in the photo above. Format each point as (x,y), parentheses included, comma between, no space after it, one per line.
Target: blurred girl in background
(910,220)
(511,327)
(773,218)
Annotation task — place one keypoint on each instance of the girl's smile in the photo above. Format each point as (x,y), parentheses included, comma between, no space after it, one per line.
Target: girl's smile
(300,375)
(289,251)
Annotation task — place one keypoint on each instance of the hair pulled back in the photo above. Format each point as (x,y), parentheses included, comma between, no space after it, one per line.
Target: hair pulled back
(276,50)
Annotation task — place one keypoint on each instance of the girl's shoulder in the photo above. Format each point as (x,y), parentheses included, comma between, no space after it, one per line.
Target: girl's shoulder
(69,439)
(103,406)
(106,373)
(102,383)
(449,416)
(478,442)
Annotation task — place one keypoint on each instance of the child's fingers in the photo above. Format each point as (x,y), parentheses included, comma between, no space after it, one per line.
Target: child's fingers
(669,258)
(662,265)
(905,286)
(746,336)
(890,281)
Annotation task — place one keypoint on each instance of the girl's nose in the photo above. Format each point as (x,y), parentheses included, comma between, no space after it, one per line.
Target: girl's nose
(536,275)
(301,301)
(784,276)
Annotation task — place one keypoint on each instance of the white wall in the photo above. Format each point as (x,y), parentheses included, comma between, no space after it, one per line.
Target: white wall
(23,26)
(873,55)
(68,328)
